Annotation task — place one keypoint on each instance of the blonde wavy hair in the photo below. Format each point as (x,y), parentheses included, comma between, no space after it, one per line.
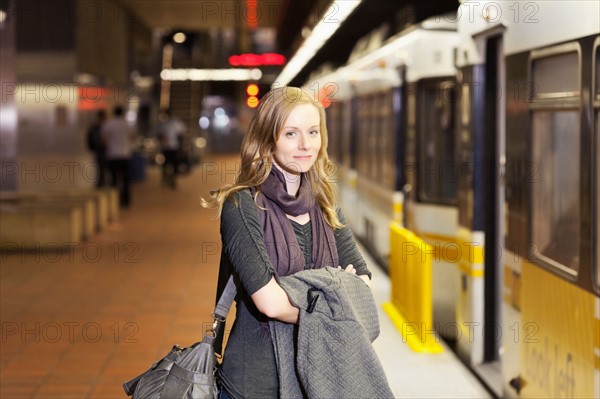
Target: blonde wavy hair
(259,146)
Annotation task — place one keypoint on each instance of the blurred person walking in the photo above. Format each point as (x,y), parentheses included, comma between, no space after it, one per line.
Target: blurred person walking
(170,134)
(96,145)
(117,137)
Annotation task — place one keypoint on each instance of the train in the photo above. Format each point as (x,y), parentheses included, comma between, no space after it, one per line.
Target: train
(479,131)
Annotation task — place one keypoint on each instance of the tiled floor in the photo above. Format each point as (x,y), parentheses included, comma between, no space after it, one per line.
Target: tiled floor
(77,324)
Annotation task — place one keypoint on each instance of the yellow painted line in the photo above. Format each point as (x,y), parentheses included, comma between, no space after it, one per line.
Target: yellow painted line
(410,332)
(475,253)
(437,237)
(468,251)
(469,270)
(508,278)
(597,333)
(398,207)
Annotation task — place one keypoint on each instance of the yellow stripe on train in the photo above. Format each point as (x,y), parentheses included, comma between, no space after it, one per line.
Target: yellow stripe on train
(557,340)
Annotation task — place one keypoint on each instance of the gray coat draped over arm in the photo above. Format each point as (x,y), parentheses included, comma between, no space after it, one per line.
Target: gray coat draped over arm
(331,355)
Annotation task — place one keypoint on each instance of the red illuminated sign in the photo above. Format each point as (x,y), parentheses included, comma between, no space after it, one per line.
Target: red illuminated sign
(253,60)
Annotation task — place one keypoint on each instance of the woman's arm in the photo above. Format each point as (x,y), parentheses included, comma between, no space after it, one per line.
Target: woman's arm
(272,301)
(242,236)
(348,252)
(243,242)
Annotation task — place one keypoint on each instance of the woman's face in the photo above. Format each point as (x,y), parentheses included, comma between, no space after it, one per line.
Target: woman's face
(300,139)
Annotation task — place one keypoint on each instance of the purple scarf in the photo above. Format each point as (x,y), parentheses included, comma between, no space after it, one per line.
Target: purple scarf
(280,239)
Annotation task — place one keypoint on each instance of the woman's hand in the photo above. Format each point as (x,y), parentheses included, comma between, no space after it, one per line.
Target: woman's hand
(350,269)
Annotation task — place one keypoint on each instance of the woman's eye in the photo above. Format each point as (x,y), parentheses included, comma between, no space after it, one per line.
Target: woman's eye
(314,132)
(290,134)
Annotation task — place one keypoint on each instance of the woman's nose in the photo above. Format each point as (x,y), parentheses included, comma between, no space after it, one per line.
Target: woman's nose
(304,143)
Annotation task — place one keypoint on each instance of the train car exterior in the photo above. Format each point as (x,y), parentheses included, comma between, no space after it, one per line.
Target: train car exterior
(530,134)
(479,132)
(373,103)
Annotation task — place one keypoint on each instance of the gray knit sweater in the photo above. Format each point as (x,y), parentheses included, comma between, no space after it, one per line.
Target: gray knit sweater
(334,357)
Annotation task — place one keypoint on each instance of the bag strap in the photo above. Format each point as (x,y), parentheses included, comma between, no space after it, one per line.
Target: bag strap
(220,314)
(226,299)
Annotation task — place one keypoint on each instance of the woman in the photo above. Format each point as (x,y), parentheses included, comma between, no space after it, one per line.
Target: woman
(278,218)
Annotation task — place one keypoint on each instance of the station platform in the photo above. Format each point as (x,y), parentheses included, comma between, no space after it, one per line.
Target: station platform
(78,323)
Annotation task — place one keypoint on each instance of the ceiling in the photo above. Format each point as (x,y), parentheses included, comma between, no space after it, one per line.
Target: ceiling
(288,17)
(369,15)
(199,15)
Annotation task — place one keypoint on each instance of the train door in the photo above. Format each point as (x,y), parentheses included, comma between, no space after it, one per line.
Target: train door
(596,160)
(481,154)
(399,109)
(433,205)
(494,161)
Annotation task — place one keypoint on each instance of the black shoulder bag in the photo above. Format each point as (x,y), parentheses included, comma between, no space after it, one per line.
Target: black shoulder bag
(187,373)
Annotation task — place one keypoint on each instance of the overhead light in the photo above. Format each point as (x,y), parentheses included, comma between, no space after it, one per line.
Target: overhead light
(305,32)
(329,22)
(179,37)
(385,51)
(211,74)
(200,142)
(204,122)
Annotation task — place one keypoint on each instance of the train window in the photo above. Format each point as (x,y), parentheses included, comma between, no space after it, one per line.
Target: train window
(437,158)
(364,136)
(554,178)
(545,72)
(597,159)
(597,61)
(554,171)
(377,149)
(334,132)
(330,132)
(388,141)
(347,137)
